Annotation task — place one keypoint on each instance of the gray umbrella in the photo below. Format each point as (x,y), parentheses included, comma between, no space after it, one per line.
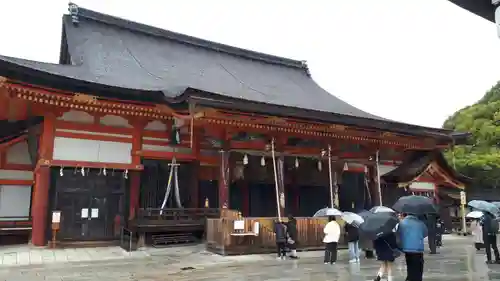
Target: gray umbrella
(484,206)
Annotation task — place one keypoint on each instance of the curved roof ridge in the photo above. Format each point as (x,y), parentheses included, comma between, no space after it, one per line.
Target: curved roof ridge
(76,12)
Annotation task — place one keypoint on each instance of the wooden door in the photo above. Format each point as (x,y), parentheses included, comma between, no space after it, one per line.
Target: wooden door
(91,206)
(74,212)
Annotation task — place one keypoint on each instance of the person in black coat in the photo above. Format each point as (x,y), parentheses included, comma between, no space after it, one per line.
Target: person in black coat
(352,237)
(490,229)
(431,221)
(281,238)
(439,232)
(387,251)
(291,228)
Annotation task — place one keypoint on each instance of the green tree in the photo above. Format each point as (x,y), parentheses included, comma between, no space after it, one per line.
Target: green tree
(480,157)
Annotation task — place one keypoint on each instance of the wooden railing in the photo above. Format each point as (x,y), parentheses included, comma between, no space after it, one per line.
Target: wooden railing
(223,239)
(177,214)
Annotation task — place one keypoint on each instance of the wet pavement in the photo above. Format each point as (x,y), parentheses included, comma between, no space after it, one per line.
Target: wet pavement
(456,261)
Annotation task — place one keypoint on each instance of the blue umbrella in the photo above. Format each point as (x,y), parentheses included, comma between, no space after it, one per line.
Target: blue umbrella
(481,205)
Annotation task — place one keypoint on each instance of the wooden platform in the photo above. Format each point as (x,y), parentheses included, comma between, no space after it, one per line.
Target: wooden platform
(172,220)
(221,238)
(179,222)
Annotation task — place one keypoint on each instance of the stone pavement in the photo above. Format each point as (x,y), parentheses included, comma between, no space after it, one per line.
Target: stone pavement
(457,261)
(29,255)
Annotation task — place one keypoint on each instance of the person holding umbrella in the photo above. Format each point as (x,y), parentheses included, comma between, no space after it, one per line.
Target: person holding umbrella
(489,227)
(387,251)
(412,232)
(353,221)
(476,229)
(380,228)
(331,239)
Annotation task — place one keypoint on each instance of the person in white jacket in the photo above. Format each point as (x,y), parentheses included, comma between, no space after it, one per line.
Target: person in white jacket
(331,239)
(477,233)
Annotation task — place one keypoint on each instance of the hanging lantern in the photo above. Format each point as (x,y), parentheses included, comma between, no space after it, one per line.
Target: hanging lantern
(263,161)
(346,167)
(61,172)
(104,172)
(125,175)
(245,159)
(366,169)
(320,165)
(296,162)
(82,171)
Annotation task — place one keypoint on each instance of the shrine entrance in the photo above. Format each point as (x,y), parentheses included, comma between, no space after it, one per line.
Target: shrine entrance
(92,206)
(155,180)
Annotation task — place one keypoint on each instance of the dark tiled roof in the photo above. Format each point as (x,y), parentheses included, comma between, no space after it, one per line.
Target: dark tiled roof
(482,8)
(113,57)
(126,54)
(417,162)
(414,165)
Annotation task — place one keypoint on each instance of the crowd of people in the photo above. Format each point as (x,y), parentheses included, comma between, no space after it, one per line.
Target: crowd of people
(407,239)
(394,232)
(484,231)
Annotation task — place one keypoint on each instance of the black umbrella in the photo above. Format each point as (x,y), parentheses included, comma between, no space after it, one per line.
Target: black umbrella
(415,205)
(378,224)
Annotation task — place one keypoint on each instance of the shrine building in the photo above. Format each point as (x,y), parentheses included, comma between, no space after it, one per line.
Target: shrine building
(137,125)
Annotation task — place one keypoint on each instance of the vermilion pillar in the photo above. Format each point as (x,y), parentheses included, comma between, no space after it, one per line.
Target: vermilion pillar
(40,200)
(135,176)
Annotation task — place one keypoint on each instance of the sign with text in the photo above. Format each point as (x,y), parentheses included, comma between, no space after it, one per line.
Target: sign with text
(463,199)
(56,216)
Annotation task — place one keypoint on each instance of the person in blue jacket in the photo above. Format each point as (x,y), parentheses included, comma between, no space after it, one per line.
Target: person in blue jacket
(412,232)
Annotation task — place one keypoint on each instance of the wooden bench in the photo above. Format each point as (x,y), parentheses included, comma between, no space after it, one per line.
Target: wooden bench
(162,240)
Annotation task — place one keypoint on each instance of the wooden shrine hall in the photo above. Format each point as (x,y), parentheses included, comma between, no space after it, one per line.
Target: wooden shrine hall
(146,129)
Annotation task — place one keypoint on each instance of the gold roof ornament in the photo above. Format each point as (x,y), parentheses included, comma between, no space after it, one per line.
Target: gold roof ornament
(84,98)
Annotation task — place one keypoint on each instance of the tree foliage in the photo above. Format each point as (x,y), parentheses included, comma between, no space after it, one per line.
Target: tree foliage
(480,158)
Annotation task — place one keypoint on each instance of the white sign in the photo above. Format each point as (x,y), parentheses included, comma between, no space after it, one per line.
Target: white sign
(94,213)
(256,226)
(56,216)
(239,225)
(85,213)
(463,199)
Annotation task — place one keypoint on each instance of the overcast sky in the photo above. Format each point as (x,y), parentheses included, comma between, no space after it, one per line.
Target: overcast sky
(414,61)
